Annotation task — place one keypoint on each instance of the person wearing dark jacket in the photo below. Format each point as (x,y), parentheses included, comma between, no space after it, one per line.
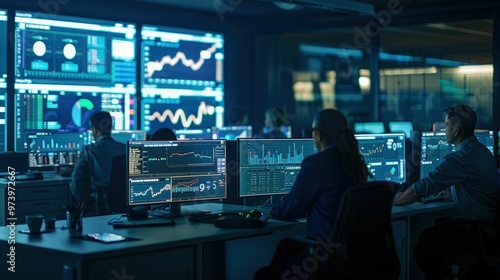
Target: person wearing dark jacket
(318,189)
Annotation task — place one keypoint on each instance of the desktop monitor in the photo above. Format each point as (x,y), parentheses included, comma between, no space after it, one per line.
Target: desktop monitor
(369,127)
(3,78)
(182,77)
(401,126)
(486,137)
(270,166)
(175,171)
(67,67)
(434,147)
(40,109)
(234,132)
(196,133)
(287,130)
(67,50)
(47,149)
(385,155)
(122,136)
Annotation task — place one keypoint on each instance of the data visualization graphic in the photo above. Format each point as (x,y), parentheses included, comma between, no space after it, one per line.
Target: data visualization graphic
(179,63)
(200,187)
(188,157)
(433,149)
(185,112)
(180,116)
(3,45)
(190,169)
(270,166)
(69,50)
(384,155)
(55,148)
(182,58)
(66,110)
(277,152)
(3,95)
(150,190)
(379,150)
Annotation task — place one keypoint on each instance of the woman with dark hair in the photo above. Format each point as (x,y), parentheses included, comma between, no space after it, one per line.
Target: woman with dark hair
(319,186)
(163,134)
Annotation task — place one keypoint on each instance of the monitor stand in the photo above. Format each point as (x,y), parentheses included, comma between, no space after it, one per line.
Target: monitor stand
(174,211)
(268,204)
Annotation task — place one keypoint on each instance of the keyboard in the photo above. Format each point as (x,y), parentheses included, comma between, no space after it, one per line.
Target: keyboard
(29,176)
(432,199)
(143,223)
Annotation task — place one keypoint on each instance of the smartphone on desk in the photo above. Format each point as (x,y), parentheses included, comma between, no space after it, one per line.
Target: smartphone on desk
(106,237)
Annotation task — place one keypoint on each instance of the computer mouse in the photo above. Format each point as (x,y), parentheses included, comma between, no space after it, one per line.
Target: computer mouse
(253,214)
(252,219)
(66,171)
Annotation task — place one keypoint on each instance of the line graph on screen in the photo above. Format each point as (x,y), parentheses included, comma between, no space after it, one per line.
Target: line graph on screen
(153,66)
(180,115)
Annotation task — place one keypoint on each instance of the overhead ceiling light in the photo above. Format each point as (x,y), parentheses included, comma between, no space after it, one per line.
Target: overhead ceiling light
(470,69)
(408,71)
(343,6)
(288,6)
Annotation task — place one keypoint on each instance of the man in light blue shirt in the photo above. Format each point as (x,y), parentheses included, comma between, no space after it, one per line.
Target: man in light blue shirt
(470,171)
(93,168)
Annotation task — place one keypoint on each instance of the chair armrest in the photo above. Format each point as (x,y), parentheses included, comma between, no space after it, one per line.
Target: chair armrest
(479,222)
(305,240)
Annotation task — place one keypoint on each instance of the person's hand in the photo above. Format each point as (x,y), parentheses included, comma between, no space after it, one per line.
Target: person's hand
(446,195)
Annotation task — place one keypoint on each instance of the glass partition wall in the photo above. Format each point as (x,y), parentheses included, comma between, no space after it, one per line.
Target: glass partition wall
(428,67)
(423,69)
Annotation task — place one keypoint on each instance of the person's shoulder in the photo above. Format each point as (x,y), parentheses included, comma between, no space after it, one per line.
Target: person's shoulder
(320,157)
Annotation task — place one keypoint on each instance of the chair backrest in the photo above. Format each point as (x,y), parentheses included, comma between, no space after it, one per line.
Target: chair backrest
(364,231)
(497,219)
(116,196)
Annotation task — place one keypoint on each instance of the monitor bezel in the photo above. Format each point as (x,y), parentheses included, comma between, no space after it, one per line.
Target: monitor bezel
(238,158)
(172,201)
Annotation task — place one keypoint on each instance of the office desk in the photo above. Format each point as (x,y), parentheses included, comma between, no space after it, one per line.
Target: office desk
(164,252)
(184,251)
(407,223)
(44,197)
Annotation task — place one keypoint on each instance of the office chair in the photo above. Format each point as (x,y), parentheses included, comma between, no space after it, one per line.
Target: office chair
(116,196)
(487,255)
(362,234)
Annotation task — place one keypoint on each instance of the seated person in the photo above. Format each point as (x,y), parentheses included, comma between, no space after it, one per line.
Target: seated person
(470,171)
(237,116)
(93,168)
(275,118)
(163,134)
(318,188)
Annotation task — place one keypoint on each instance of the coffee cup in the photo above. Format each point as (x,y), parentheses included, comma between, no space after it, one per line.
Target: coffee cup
(34,223)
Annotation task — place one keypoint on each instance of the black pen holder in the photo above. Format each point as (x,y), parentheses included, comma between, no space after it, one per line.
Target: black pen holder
(74,220)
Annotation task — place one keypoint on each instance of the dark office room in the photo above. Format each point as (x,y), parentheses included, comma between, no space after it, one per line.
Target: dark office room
(249,139)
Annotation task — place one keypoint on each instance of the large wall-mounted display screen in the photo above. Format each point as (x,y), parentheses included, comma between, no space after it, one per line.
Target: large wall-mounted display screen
(74,50)
(67,110)
(182,78)
(3,77)
(68,67)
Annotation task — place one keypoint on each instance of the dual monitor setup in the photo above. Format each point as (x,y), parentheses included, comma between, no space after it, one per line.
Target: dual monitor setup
(166,172)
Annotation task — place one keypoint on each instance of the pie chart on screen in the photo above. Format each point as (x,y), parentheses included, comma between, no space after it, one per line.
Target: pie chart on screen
(79,108)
